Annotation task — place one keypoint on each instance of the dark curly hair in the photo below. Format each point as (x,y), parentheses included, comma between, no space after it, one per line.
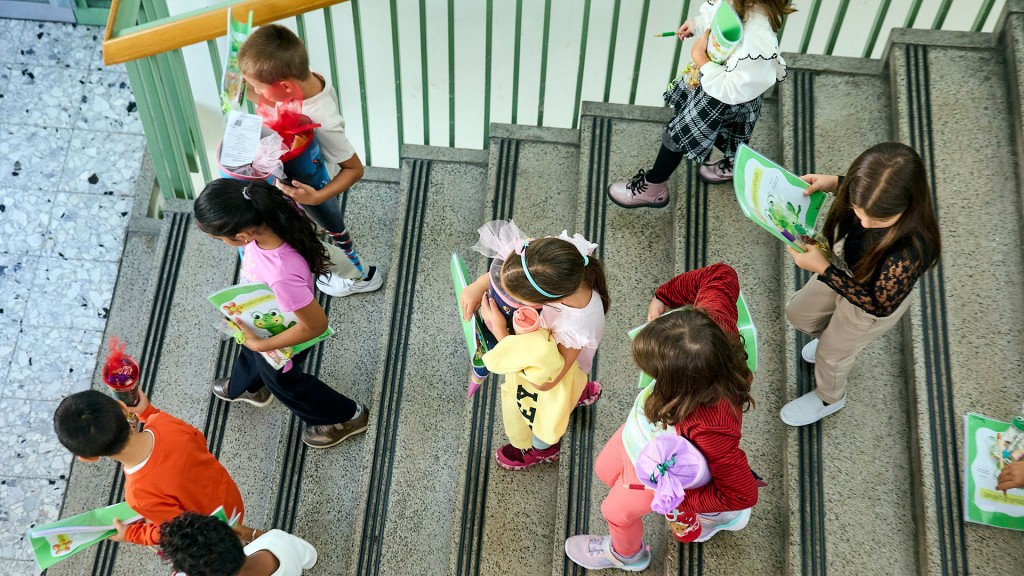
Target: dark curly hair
(222,210)
(200,545)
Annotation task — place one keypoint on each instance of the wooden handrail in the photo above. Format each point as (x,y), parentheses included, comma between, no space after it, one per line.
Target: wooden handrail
(173,33)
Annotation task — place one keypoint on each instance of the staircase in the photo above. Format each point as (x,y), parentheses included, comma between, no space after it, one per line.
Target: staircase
(873,489)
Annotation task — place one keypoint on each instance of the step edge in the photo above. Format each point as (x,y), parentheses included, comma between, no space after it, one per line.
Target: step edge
(659,114)
(939,38)
(835,64)
(443,154)
(535,133)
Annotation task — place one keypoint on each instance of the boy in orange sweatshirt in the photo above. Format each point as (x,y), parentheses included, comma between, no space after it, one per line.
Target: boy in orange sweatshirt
(168,469)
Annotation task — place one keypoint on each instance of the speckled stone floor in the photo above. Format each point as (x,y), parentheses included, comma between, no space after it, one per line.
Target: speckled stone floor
(71,150)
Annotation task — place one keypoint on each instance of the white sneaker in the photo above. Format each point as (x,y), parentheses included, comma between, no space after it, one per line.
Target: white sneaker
(808,409)
(711,524)
(809,351)
(340,287)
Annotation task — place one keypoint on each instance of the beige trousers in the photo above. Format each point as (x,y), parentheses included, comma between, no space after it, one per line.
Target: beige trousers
(843,331)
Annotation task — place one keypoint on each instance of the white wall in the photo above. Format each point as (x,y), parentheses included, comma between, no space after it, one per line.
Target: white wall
(563,60)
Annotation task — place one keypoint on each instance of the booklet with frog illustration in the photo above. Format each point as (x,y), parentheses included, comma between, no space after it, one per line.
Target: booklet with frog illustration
(56,541)
(774,198)
(256,306)
(984,458)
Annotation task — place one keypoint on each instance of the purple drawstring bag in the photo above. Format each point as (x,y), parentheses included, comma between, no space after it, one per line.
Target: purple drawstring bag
(670,465)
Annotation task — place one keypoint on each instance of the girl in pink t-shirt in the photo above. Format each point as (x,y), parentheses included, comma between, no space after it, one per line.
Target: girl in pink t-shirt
(281,250)
(560,277)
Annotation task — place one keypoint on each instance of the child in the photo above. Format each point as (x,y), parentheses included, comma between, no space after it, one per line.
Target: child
(716,105)
(283,252)
(275,63)
(161,464)
(701,389)
(559,275)
(883,235)
(205,546)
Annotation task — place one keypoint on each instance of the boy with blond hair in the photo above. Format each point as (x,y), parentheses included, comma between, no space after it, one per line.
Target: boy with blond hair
(275,63)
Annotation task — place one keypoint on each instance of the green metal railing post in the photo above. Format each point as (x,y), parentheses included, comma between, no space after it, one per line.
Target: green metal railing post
(544,62)
(809,30)
(488,32)
(332,58)
(423,71)
(300,28)
(582,64)
(836,25)
(611,49)
(912,14)
(515,60)
(983,12)
(876,27)
(357,32)
(397,65)
(940,16)
(640,38)
(451,73)
(679,45)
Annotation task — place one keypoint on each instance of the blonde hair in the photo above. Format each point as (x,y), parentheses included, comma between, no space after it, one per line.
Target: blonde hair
(273,53)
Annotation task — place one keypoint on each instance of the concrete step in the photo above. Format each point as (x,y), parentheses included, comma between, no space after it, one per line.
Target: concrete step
(505,518)
(856,461)
(709,228)
(637,249)
(410,469)
(972,296)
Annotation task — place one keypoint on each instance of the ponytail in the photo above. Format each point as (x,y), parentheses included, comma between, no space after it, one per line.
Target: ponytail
(227,207)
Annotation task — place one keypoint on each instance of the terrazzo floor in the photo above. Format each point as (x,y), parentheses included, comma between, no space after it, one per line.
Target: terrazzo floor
(71,150)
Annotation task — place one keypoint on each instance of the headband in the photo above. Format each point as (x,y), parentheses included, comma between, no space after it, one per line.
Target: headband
(526,271)
(245,192)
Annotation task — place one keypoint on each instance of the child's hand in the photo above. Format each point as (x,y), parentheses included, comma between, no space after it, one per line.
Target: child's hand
(699,51)
(252,341)
(685,31)
(820,182)
(143,404)
(121,529)
(493,317)
(656,309)
(301,193)
(812,260)
(1012,476)
(470,301)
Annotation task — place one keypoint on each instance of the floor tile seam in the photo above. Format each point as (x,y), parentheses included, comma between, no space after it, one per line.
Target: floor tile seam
(22,477)
(73,126)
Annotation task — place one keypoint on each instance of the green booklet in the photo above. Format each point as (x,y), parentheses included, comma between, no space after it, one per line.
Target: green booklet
(774,198)
(726,32)
(54,542)
(472,329)
(232,84)
(744,324)
(984,504)
(256,306)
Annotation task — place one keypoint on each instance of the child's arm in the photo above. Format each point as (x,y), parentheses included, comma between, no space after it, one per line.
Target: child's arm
(144,410)
(473,295)
(351,172)
(714,288)
(311,321)
(1012,476)
(569,355)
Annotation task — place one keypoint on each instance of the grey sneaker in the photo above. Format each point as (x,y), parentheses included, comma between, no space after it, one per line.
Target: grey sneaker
(716,172)
(639,193)
(260,398)
(327,435)
(340,287)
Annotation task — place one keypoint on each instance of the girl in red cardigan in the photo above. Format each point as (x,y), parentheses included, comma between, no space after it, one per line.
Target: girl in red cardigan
(701,389)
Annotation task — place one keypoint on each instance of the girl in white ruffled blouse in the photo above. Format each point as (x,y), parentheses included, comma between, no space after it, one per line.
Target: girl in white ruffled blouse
(560,277)
(717,105)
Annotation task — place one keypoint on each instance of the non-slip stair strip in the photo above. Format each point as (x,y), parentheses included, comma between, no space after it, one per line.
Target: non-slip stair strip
(486,399)
(216,410)
(695,255)
(289,486)
(812,494)
(932,293)
(581,424)
(406,270)
(149,358)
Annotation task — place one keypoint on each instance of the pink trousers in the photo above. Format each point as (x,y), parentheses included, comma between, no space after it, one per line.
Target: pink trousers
(624,508)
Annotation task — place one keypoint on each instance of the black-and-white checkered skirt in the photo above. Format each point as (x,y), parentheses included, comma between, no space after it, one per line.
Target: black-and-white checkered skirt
(703,122)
